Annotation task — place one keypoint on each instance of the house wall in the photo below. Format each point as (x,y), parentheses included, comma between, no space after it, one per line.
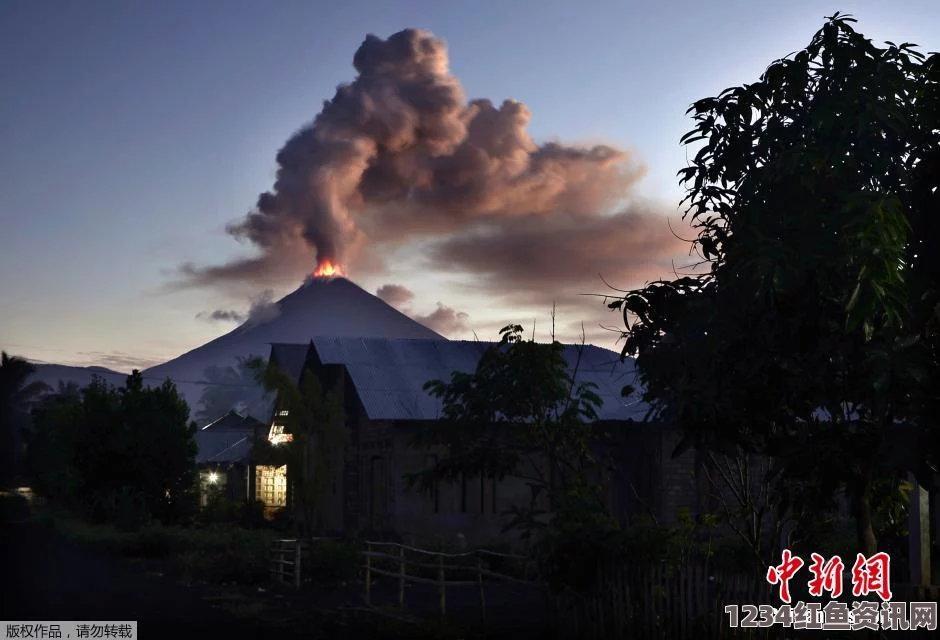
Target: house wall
(369,493)
(681,481)
(638,476)
(473,507)
(233,478)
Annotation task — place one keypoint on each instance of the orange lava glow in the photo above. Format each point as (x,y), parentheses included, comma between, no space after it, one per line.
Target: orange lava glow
(327,269)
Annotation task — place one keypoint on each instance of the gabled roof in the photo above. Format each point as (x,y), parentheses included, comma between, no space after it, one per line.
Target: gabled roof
(291,358)
(224,445)
(227,439)
(389,374)
(233,421)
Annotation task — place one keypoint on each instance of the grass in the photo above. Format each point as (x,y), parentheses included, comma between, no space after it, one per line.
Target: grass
(214,554)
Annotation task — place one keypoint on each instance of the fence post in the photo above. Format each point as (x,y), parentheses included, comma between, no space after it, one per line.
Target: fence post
(482,591)
(442,589)
(368,573)
(271,557)
(297,553)
(401,577)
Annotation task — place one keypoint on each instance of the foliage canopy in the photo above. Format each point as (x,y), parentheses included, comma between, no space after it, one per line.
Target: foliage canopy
(813,333)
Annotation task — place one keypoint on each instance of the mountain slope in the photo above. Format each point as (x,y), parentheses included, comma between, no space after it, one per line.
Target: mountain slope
(320,307)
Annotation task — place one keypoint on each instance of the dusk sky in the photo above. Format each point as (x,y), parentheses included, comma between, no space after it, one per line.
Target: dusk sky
(133,132)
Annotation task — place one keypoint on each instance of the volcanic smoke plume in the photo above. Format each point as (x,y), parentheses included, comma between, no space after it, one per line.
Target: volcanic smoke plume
(400,153)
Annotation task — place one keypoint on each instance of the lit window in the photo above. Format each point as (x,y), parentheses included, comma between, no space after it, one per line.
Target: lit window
(283,413)
(277,435)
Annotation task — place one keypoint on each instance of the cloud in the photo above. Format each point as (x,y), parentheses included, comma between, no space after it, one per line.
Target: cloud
(396,295)
(263,307)
(117,360)
(537,260)
(221,315)
(445,320)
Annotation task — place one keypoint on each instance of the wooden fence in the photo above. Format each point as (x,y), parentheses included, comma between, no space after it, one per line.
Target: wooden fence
(646,603)
(411,565)
(286,561)
(655,602)
(630,602)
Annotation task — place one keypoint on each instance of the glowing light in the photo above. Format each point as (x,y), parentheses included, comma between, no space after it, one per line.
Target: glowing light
(328,269)
(213,477)
(278,436)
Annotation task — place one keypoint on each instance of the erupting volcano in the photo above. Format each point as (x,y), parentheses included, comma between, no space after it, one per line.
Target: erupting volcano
(328,269)
(326,304)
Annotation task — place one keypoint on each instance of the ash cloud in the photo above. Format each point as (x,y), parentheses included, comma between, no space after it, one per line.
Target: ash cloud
(534,260)
(263,308)
(400,153)
(444,319)
(221,315)
(396,295)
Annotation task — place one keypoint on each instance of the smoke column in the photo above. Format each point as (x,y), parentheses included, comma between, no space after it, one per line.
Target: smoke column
(399,152)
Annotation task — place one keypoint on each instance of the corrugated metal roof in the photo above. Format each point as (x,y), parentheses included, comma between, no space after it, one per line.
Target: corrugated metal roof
(224,445)
(389,375)
(232,420)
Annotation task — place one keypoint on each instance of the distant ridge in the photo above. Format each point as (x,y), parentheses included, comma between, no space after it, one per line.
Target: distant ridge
(52,374)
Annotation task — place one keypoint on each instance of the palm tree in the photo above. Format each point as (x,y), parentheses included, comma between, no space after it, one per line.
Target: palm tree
(15,394)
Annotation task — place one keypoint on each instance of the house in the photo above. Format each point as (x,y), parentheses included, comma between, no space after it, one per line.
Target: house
(379,383)
(224,457)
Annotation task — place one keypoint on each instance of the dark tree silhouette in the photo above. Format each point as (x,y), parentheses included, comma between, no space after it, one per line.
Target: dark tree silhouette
(16,392)
(521,405)
(813,336)
(125,455)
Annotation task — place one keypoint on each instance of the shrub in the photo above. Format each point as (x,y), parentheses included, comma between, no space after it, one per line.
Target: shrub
(218,509)
(251,514)
(226,555)
(283,520)
(211,554)
(155,541)
(333,561)
(125,508)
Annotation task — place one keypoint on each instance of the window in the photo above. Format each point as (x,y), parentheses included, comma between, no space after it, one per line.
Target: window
(278,435)
(271,485)
(283,413)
